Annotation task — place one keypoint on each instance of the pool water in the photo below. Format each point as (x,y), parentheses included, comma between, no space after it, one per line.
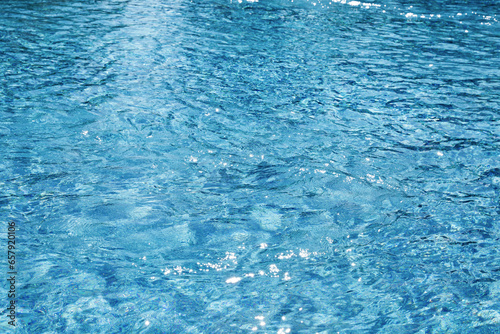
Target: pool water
(218,166)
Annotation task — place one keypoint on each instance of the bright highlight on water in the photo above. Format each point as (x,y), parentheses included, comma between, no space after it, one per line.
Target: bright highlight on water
(270,166)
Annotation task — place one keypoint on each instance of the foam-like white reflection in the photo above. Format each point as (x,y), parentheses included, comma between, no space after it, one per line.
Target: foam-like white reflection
(284,330)
(304,253)
(403,11)
(233,280)
(286,256)
(274,269)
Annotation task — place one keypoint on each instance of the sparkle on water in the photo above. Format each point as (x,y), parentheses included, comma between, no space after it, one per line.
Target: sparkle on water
(263,166)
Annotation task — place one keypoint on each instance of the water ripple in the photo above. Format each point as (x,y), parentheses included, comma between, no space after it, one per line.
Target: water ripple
(252,166)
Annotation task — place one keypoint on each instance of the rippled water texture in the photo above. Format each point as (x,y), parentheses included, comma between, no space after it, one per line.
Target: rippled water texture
(256,167)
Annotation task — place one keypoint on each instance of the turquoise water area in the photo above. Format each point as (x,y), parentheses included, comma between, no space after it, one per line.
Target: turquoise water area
(217,166)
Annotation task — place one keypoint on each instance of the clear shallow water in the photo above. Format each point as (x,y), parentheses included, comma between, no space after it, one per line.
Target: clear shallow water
(270,167)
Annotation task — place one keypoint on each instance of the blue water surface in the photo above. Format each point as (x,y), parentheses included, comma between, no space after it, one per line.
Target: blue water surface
(271,166)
